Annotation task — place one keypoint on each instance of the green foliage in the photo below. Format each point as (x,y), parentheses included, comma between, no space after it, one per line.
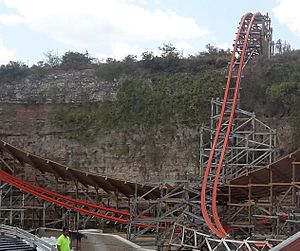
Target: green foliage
(51,60)
(263,74)
(169,61)
(211,49)
(213,58)
(130,59)
(77,123)
(175,90)
(147,59)
(38,71)
(147,105)
(169,51)
(283,97)
(294,133)
(169,89)
(147,56)
(170,58)
(163,99)
(13,71)
(272,88)
(110,71)
(76,60)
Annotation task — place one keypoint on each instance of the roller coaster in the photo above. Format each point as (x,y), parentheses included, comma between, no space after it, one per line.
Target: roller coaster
(192,218)
(248,43)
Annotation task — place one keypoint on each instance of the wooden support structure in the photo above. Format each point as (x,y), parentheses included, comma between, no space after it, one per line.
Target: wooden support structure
(275,198)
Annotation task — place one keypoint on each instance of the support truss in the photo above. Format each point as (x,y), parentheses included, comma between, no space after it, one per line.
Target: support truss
(253,144)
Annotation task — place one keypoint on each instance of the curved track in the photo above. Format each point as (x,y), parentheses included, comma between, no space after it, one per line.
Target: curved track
(243,51)
(66,201)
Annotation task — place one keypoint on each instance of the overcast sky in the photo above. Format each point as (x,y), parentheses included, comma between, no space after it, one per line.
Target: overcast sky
(116,28)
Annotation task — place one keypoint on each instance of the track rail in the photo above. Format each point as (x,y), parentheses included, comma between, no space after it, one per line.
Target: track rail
(60,196)
(47,197)
(240,56)
(68,202)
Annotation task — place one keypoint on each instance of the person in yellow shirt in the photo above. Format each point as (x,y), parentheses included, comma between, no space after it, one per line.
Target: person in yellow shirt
(63,242)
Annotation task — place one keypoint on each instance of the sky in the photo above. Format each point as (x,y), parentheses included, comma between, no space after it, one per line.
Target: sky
(116,28)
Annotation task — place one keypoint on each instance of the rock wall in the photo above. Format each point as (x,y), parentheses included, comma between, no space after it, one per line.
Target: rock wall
(58,86)
(26,107)
(130,156)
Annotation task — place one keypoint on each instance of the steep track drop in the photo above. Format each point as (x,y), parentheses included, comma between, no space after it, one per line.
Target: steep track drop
(245,48)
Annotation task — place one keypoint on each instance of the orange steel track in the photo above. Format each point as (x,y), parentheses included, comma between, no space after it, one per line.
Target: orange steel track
(66,201)
(228,100)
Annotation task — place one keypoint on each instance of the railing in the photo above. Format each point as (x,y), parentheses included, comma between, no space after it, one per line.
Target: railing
(33,240)
(196,240)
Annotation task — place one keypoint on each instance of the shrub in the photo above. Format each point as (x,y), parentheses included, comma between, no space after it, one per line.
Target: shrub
(13,71)
(110,71)
(76,60)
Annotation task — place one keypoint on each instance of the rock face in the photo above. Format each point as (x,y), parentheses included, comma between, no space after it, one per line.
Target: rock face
(27,106)
(58,87)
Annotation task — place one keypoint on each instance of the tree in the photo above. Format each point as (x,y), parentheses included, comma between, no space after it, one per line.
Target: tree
(130,59)
(76,60)
(283,97)
(111,70)
(13,70)
(147,56)
(169,60)
(278,46)
(211,49)
(51,59)
(169,50)
(111,60)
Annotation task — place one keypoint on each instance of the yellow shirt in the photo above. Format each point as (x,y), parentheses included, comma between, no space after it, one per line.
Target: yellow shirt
(63,242)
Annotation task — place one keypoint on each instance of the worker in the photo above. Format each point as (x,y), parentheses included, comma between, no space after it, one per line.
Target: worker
(63,242)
